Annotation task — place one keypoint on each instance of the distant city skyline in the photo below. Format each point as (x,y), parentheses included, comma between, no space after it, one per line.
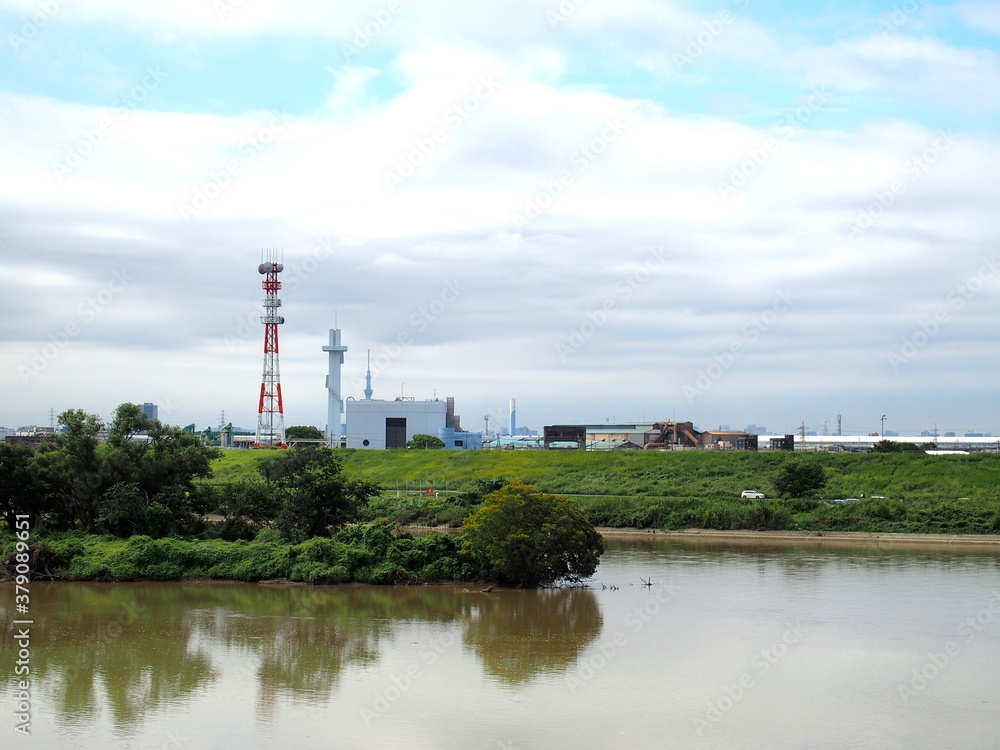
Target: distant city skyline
(528,431)
(729,213)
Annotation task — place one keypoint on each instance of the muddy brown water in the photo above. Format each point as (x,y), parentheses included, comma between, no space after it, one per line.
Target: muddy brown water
(731,645)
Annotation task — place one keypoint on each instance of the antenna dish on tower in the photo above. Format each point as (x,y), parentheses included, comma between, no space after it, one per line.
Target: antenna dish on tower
(270,409)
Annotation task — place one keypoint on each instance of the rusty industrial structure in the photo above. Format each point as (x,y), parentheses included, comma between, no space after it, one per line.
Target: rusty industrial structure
(647,436)
(667,435)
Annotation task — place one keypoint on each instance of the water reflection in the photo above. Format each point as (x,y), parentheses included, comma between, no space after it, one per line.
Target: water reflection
(617,665)
(129,648)
(520,634)
(100,647)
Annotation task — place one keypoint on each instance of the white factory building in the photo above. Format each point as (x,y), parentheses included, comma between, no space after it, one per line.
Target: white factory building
(378,424)
(373,423)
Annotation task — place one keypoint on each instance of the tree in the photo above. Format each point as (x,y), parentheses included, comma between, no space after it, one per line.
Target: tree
(314,496)
(141,481)
(161,462)
(123,510)
(303,432)
(800,479)
(893,446)
(482,488)
(425,441)
(521,536)
(71,469)
(246,505)
(20,489)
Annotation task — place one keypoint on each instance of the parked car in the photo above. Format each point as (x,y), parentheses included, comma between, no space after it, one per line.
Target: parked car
(752,494)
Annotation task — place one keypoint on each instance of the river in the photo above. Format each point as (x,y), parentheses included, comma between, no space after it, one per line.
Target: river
(728,646)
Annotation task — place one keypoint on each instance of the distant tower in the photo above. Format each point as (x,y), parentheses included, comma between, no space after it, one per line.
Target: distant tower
(270,412)
(368,378)
(335,401)
(513,417)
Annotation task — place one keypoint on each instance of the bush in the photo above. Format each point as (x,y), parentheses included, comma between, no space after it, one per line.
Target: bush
(425,441)
(800,479)
(522,536)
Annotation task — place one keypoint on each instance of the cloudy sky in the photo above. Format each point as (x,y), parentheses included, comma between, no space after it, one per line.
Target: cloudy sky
(730,212)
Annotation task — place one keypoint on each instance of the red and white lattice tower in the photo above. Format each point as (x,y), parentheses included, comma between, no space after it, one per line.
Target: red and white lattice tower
(270,414)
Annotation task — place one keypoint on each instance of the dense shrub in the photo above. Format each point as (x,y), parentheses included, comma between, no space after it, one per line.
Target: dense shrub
(525,537)
(416,511)
(800,479)
(364,553)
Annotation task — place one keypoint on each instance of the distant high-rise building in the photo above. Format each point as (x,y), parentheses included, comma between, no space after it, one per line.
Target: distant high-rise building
(150,411)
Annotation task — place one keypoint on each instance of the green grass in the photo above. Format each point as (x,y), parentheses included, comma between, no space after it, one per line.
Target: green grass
(687,489)
(700,474)
(365,554)
(642,489)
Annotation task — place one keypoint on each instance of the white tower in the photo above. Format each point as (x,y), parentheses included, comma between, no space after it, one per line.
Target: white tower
(513,417)
(335,403)
(368,378)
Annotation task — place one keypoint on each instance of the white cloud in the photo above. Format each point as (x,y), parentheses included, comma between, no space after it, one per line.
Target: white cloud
(902,67)
(486,132)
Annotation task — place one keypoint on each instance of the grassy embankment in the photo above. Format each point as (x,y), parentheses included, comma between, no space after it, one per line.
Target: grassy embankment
(672,490)
(688,489)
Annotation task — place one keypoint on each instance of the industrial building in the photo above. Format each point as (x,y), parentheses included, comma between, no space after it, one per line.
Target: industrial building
(379,424)
(646,435)
(373,423)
